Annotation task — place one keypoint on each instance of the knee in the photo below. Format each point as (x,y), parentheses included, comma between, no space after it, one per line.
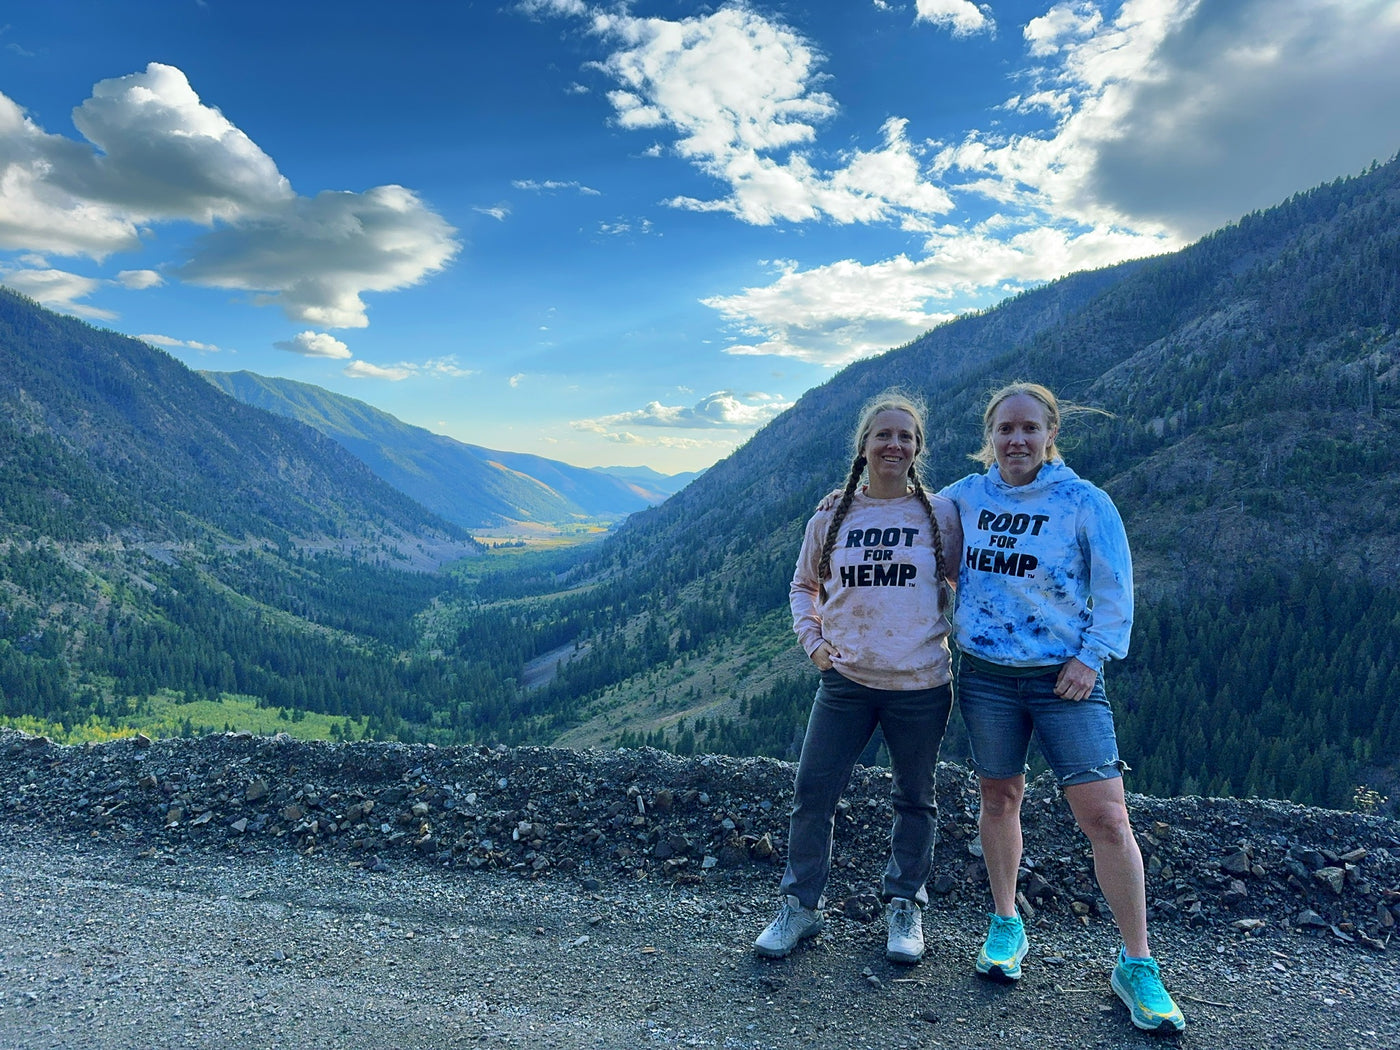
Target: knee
(1002,798)
(1107,825)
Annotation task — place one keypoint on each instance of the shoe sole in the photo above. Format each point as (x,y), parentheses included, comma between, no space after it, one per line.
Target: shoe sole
(776,953)
(997,975)
(903,957)
(998,972)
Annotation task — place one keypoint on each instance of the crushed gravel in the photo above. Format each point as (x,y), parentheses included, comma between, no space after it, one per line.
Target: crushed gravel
(237,891)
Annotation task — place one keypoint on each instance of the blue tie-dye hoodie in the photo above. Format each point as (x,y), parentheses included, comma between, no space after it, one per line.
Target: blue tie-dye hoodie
(1045,573)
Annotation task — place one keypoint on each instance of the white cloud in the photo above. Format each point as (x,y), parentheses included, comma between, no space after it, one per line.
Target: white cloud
(37,213)
(175,344)
(164,154)
(14,47)
(1245,104)
(499,212)
(739,92)
(446,366)
(723,409)
(315,256)
(715,449)
(554,186)
(838,313)
(623,226)
(1063,24)
(365,370)
(138,280)
(315,344)
(318,344)
(156,153)
(59,290)
(961,16)
(1181,116)
(553,7)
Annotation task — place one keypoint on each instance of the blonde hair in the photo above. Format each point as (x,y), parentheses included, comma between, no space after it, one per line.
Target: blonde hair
(889,401)
(1055,412)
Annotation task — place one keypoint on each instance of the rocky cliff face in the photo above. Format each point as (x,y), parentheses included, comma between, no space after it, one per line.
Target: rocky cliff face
(588,818)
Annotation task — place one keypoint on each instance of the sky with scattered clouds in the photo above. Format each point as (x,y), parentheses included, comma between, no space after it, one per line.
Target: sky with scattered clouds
(632,233)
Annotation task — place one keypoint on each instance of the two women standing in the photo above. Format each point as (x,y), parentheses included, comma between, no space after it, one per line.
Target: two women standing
(1045,599)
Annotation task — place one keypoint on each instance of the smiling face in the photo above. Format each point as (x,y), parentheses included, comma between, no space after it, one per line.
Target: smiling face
(1020,435)
(890,446)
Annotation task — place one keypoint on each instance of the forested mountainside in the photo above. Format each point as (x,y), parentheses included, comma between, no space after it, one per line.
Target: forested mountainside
(106,436)
(472,486)
(158,538)
(1254,384)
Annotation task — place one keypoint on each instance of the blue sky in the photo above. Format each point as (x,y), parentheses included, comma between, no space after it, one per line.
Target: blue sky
(632,233)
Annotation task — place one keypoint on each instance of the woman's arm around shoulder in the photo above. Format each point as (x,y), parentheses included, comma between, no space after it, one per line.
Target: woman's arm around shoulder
(950,527)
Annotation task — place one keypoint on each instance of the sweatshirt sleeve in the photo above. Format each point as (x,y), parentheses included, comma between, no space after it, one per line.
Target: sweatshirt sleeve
(1110,582)
(805,591)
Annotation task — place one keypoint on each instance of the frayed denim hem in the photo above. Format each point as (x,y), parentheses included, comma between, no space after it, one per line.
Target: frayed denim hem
(1110,770)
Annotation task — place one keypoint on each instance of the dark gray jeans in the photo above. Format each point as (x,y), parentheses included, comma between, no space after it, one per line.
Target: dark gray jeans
(844,717)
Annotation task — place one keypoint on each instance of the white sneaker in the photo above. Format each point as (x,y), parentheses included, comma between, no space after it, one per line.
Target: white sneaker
(906,940)
(793,923)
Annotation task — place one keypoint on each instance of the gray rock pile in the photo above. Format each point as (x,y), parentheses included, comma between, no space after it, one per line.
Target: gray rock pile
(1250,865)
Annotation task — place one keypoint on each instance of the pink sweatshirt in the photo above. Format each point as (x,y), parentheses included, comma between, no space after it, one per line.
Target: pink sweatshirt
(881,611)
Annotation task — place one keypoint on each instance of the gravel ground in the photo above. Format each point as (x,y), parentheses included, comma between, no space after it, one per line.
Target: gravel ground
(141,935)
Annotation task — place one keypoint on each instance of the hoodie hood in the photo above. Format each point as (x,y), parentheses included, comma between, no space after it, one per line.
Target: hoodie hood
(1052,472)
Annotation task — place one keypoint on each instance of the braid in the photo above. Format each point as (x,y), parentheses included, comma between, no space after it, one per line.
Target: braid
(834,529)
(937,534)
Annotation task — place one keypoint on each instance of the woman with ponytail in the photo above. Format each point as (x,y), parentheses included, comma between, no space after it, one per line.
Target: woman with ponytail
(870,605)
(1046,603)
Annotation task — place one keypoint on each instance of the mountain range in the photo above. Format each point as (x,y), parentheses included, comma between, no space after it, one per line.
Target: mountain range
(108,439)
(1252,385)
(472,486)
(1252,388)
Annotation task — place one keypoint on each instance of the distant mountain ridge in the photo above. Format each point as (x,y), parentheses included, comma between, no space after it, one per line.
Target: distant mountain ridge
(466,484)
(105,436)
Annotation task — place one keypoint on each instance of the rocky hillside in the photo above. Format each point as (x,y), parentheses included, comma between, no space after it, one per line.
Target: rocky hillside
(587,817)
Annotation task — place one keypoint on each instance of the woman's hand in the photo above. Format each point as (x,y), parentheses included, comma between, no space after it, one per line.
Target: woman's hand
(830,500)
(823,654)
(1076,680)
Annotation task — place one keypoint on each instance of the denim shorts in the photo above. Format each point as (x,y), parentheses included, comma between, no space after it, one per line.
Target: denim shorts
(1001,712)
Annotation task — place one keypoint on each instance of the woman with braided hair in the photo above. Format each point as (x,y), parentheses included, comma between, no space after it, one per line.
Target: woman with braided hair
(870,605)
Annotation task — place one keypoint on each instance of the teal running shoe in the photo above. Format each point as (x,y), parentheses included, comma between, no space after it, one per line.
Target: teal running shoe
(1139,985)
(1002,951)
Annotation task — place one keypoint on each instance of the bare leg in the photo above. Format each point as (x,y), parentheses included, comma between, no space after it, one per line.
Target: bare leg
(999,822)
(1102,814)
